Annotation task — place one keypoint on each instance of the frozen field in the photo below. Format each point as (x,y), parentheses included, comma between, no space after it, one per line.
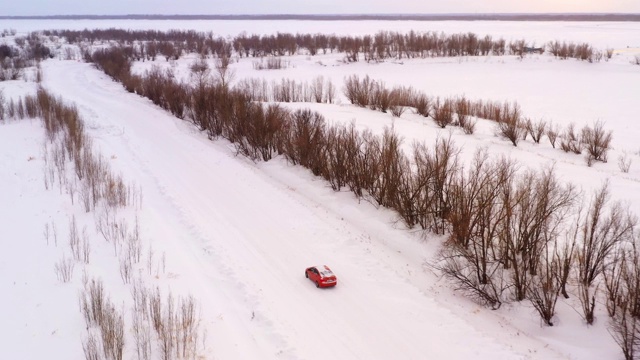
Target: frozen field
(238,235)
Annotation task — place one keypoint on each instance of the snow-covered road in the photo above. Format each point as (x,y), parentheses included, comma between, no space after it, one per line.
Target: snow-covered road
(238,236)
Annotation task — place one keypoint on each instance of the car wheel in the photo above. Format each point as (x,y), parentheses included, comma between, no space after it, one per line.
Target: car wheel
(317,284)
(306,274)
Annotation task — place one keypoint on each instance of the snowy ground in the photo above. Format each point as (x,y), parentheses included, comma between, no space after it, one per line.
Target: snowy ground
(238,235)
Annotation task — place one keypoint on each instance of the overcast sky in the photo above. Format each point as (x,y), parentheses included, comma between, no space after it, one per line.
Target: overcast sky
(207,7)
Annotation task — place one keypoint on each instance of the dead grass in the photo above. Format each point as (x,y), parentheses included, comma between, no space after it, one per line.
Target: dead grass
(64,269)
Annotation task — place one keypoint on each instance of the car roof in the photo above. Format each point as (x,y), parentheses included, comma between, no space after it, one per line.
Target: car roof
(321,267)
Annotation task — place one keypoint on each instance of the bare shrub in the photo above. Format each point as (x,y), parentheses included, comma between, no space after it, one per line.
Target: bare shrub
(85,250)
(317,89)
(305,141)
(351,85)
(613,279)
(567,253)
(584,52)
(397,110)
(93,302)
(510,123)
(225,74)
(552,134)
(74,240)
(188,324)
(112,332)
(596,141)
(469,126)
(92,348)
(141,335)
(330,92)
(443,163)
(381,97)
(423,104)
(272,63)
(2,106)
(608,54)
(64,269)
(587,297)
(570,141)
(536,130)
(359,92)
(126,270)
(544,289)
(392,164)
(624,162)
(176,325)
(463,110)
(11,109)
(338,152)
(443,112)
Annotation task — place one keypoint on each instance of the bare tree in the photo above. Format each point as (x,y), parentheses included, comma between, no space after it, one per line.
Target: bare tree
(544,289)
(471,258)
(225,74)
(510,123)
(624,324)
(536,130)
(393,163)
(483,282)
(570,141)
(443,112)
(600,234)
(613,275)
(596,141)
(552,134)
(535,209)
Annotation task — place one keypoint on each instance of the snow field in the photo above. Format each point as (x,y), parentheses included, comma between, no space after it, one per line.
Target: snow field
(238,235)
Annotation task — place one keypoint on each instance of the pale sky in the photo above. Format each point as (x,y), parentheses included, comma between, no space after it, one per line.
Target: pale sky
(213,7)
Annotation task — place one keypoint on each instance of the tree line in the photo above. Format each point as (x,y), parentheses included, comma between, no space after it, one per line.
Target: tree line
(149,44)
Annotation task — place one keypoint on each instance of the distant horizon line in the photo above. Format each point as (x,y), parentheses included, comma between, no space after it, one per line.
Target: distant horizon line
(571,16)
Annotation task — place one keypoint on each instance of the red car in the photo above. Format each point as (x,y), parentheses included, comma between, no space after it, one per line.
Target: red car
(321,275)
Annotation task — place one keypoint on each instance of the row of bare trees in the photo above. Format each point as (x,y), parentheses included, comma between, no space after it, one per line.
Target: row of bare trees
(149,44)
(513,235)
(580,51)
(511,124)
(319,90)
(382,45)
